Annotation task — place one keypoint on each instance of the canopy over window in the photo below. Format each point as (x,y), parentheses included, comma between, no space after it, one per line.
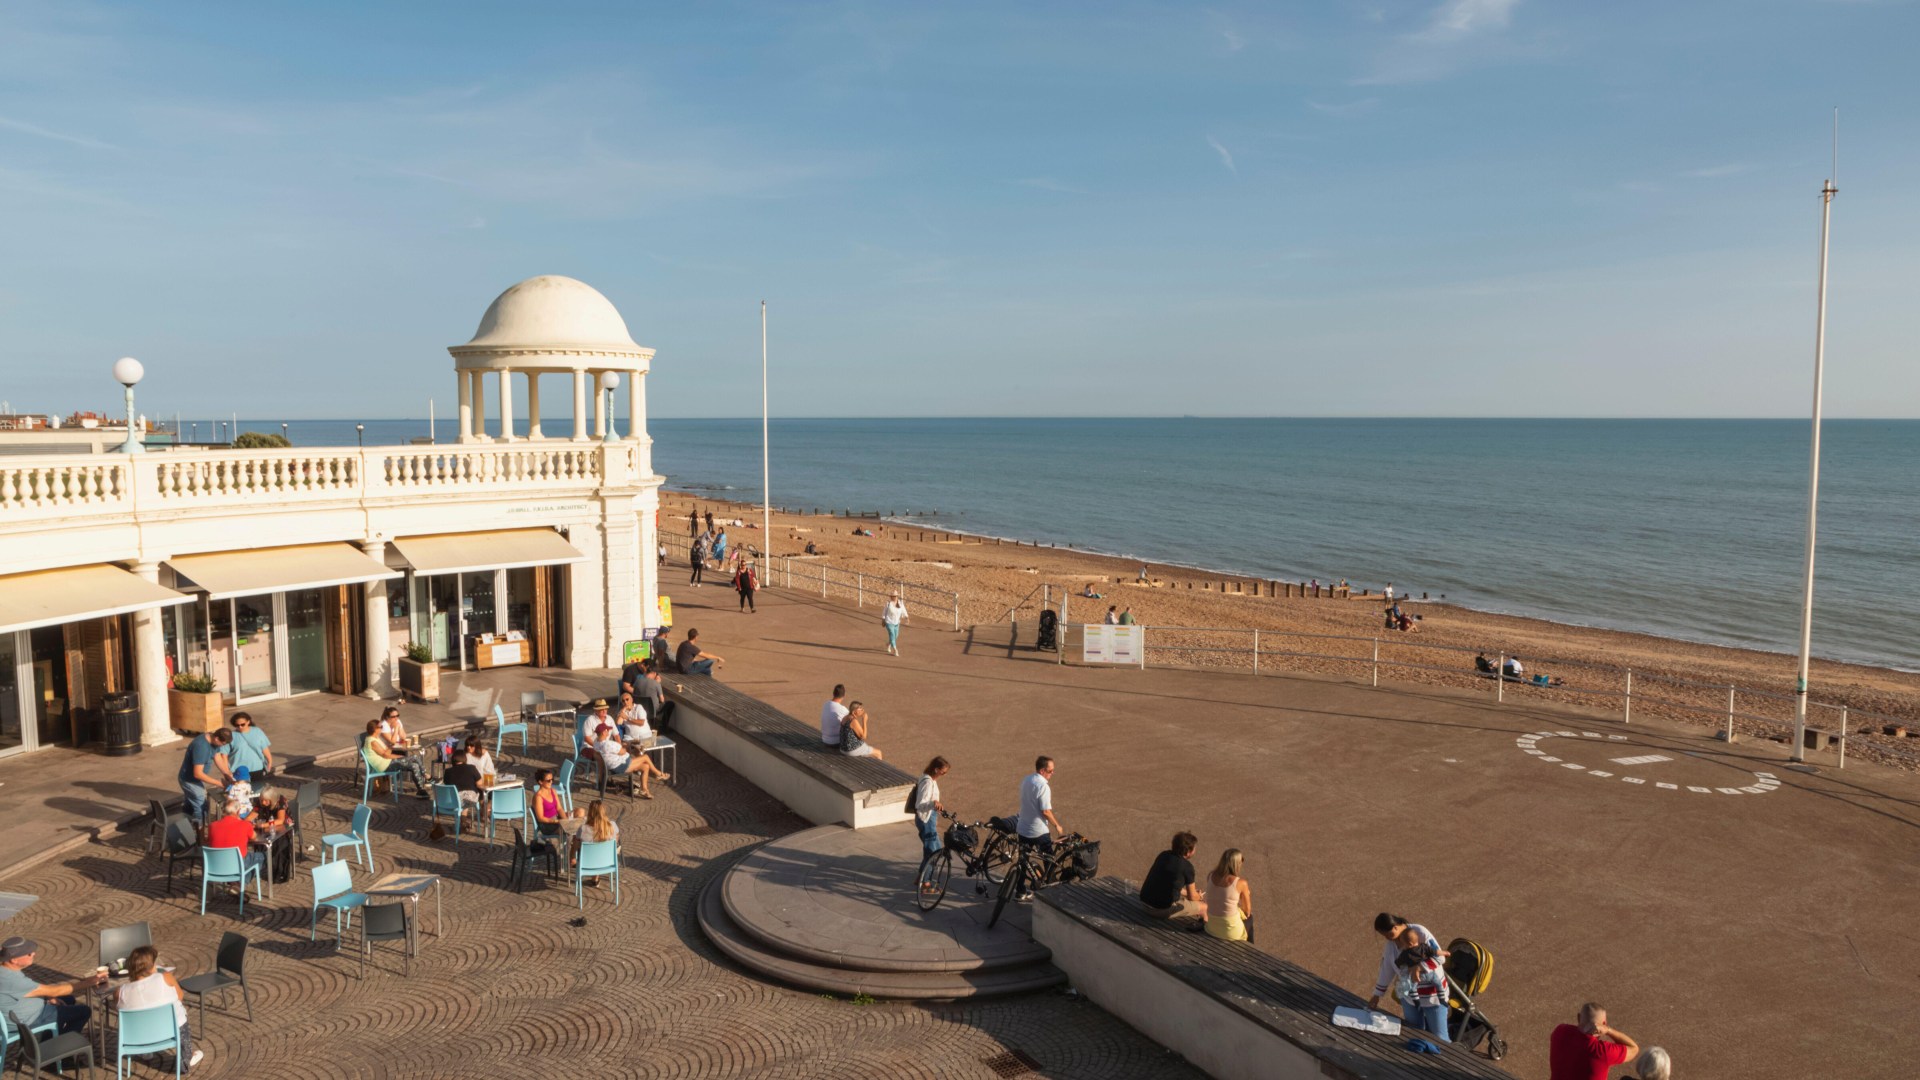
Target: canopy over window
(70,594)
(507,549)
(266,570)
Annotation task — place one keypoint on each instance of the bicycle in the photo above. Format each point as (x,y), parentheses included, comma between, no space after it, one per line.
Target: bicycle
(990,862)
(1073,858)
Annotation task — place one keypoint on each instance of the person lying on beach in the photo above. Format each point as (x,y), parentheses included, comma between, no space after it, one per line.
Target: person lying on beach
(1089,593)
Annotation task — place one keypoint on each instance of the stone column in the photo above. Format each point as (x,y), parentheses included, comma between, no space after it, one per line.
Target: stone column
(533,406)
(599,406)
(479,406)
(465,379)
(579,406)
(587,604)
(506,404)
(379,645)
(150,665)
(636,405)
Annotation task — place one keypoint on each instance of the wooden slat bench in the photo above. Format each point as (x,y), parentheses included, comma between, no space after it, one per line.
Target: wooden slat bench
(784,757)
(1225,1006)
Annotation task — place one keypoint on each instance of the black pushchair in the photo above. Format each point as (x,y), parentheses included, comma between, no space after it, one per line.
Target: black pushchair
(1469,973)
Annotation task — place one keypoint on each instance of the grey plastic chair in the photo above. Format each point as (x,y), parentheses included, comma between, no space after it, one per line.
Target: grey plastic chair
(117,943)
(181,840)
(229,971)
(384,922)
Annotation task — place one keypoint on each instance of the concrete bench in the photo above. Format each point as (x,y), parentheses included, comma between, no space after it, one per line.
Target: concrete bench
(1225,1006)
(785,758)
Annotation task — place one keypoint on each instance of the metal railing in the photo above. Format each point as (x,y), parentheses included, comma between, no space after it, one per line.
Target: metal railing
(1254,651)
(813,574)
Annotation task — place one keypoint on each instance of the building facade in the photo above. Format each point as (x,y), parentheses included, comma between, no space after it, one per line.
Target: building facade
(279,572)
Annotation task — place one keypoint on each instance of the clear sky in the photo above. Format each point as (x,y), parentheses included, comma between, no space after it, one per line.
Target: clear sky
(1421,207)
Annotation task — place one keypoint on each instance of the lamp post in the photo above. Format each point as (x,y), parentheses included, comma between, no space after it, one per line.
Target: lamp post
(609,380)
(126,372)
(360,431)
(283,435)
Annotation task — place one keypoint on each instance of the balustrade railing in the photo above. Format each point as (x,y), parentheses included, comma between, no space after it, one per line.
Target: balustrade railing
(61,485)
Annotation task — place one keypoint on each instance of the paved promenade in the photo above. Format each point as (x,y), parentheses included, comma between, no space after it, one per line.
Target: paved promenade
(1750,918)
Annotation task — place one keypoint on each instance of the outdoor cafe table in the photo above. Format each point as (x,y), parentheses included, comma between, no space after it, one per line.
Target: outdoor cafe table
(267,840)
(410,887)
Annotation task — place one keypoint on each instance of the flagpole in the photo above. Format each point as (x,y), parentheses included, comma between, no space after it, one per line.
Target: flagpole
(766,493)
(1827,193)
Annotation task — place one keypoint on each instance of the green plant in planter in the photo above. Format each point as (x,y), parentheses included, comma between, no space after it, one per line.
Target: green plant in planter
(420,652)
(189,682)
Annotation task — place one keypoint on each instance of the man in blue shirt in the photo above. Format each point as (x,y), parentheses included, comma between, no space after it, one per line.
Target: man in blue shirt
(203,766)
(29,1004)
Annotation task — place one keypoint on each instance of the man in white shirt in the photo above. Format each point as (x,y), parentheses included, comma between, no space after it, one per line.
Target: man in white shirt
(1037,823)
(831,716)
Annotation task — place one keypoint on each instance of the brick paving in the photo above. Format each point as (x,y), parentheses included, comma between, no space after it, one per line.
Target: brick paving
(521,986)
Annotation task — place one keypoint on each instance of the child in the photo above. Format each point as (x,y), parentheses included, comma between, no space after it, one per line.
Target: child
(240,793)
(1423,990)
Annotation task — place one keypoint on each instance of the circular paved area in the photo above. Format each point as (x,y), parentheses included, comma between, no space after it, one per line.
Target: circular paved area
(1619,758)
(521,985)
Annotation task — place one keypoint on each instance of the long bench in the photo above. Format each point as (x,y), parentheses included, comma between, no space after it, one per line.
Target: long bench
(1228,1008)
(785,758)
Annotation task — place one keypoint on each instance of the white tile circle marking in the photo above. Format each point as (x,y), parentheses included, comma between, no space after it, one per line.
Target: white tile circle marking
(1763,781)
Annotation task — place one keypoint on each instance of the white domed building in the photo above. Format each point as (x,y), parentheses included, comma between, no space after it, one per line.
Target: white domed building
(283,571)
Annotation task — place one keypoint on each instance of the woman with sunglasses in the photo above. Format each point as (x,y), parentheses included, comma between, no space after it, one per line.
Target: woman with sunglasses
(250,746)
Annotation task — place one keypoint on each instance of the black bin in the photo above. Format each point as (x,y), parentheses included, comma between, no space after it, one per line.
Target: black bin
(1049,639)
(120,725)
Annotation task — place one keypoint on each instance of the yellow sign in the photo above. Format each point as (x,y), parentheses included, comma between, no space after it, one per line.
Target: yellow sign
(666,611)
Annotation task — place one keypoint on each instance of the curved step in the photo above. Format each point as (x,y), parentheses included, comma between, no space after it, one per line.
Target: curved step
(751,954)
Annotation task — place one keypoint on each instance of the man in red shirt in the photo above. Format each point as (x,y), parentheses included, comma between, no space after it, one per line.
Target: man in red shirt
(234,831)
(1586,1050)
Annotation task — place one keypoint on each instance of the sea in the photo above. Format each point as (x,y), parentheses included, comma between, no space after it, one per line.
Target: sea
(1692,529)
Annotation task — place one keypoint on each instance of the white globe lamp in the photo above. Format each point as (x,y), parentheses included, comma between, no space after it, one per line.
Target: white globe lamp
(127,371)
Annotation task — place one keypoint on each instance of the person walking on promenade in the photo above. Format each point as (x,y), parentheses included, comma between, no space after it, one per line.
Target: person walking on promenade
(1229,900)
(893,616)
(1036,824)
(745,582)
(709,521)
(832,715)
(1587,1048)
(202,768)
(720,546)
(927,807)
(1168,890)
(697,558)
(693,660)
(1393,928)
(693,522)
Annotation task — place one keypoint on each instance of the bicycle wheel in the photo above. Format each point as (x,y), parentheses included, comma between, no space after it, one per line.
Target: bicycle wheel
(1009,887)
(995,859)
(935,869)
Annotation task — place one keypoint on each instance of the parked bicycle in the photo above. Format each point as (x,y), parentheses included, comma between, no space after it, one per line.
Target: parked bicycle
(994,840)
(1073,858)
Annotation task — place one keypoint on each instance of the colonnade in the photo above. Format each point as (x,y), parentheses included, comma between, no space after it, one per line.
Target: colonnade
(473,403)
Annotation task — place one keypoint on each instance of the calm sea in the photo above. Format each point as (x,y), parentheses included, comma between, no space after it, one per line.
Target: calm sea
(1686,528)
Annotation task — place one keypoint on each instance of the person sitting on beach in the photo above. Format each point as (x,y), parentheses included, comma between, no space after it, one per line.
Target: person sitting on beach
(1168,890)
(1483,665)
(1406,623)
(1514,669)
(1089,593)
(811,550)
(1113,615)
(1126,616)
(1229,900)
(853,734)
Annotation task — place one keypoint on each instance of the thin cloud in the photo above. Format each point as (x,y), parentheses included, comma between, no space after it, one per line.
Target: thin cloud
(58,136)
(1226,156)
(1713,172)
(1454,35)
(1459,19)
(1048,183)
(1345,109)
(1234,39)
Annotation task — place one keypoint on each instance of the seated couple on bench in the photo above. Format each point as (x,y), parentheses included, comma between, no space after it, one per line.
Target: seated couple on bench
(1224,908)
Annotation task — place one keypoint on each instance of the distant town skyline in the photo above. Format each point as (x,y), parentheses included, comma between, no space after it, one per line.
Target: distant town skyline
(1471,208)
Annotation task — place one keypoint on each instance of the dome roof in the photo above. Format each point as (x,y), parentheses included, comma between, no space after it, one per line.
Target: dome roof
(551,312)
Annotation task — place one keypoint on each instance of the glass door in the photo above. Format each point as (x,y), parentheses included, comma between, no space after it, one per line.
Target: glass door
(53,723)
(13,729)
(255,648)
(476,610)
(306,640)
(443,608)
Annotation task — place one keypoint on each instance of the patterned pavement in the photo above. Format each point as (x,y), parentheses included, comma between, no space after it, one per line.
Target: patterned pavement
(521,985)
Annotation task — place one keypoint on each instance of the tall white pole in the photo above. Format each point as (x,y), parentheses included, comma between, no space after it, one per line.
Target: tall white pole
(431,436)
(1813,482)
(766,478)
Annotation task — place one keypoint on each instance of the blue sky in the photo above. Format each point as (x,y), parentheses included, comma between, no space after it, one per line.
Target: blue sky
(1431,207)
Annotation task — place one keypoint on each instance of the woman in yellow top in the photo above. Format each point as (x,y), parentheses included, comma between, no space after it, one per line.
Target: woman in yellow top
(384,760)
(1229,900)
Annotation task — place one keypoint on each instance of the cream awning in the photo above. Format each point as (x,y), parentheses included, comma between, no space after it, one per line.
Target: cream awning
(51,597)
(267,570)
(508,549)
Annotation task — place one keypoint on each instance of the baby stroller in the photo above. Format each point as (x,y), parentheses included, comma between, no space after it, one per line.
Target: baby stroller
(1469,973)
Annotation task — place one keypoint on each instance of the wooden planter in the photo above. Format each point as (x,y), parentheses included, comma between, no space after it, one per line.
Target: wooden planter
(195,714)
(420,681)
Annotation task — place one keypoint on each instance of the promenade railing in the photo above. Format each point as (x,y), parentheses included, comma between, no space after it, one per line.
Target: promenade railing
(813,573)
(1258,652)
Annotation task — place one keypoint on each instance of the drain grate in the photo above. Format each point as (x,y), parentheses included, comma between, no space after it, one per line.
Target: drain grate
(702,830)
(1012,1063)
